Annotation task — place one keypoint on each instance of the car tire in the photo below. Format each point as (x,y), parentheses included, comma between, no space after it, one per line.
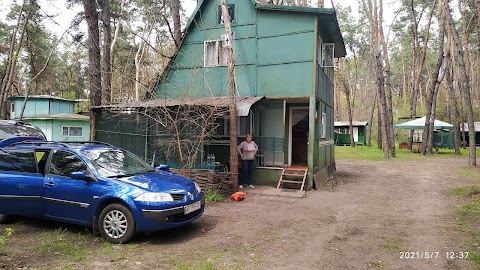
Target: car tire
(116,224)
(5,219)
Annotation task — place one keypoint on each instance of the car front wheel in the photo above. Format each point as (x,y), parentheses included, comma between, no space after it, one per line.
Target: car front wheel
(116,224)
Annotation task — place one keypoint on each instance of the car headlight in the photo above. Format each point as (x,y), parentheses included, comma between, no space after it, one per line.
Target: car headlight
(154,197)
(199,189)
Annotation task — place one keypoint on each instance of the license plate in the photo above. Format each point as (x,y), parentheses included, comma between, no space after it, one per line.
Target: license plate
(187,209)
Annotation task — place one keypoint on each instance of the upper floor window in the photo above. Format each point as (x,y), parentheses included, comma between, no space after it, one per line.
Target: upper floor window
(328,58)
(231,12)
(215,53)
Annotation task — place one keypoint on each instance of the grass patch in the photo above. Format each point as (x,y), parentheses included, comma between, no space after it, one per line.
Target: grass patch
(375,264)
(374,154)
(471,210)
(6,235)
(470,172)
(465,191)
(213,196)
(59,242)
(394,244)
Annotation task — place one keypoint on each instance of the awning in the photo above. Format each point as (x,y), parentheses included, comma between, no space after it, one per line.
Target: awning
(420,124)
(243,103)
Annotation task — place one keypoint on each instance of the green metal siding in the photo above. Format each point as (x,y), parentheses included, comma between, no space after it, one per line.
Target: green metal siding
(293,80)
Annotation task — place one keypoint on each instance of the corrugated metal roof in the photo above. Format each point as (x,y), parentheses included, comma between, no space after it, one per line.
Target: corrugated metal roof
(347,123)
(61,116)
(242,103)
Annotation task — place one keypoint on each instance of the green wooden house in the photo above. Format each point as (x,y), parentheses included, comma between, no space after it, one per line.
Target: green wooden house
(284,72)
(342,132)
(53,115)
(284,56)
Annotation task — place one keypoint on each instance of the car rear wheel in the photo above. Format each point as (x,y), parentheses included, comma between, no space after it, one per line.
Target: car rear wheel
(5,219)
(116,224)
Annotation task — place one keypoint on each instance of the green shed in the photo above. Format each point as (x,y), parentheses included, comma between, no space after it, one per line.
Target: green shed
(342,132)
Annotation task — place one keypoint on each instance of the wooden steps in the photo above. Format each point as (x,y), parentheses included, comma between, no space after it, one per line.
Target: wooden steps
(292,177)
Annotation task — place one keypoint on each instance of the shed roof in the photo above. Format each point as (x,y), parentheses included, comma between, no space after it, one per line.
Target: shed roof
(243,103)
(420,124)
(347,123)
(42,97)
(60,116)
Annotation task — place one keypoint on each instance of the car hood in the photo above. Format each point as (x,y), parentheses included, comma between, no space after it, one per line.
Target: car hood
(160,182)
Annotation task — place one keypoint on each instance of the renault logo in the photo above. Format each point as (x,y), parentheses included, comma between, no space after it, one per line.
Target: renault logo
(190,195)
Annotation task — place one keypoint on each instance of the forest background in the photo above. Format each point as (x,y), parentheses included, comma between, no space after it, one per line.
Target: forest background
(405,58)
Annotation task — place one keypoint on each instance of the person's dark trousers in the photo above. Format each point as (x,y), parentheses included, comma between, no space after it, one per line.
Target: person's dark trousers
(247,171)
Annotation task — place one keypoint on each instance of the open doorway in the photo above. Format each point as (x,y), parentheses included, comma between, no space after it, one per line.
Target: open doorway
(299,127)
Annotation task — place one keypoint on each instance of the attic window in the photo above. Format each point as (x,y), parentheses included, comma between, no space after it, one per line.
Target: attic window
(231,12)
(215,53)
(328,55)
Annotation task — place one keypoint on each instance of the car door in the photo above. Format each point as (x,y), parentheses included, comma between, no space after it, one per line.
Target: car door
(20,183)
(65,198)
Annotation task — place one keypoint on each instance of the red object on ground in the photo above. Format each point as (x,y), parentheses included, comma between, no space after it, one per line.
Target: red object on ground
(238,196)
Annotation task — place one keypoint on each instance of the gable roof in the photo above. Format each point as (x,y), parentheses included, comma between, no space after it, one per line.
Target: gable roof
(328,27)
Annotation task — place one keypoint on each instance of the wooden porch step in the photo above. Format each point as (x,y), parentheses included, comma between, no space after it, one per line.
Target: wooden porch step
(293,172)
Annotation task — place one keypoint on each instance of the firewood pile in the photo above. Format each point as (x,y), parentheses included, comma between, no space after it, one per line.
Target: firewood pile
(210,180)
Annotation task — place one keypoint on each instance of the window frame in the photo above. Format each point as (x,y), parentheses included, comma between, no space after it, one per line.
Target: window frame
(231,12)
(51,159)
(69,131)
(226,126)
(330,56)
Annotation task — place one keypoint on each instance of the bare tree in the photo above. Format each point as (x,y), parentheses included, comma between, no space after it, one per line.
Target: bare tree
(346,88)
(177,28)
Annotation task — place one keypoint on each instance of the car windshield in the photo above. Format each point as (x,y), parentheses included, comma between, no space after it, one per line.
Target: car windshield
(114,163)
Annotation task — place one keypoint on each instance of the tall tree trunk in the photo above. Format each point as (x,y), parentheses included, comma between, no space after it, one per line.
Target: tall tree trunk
(107,43)
(177,28)
(112,47)
(465,85)
(379,126)
(427,136)
(452,100)
(94,70)
(232,104)
(370,122)
(388,88)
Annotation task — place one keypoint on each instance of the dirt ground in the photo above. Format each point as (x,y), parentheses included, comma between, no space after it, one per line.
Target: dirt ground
(364,219)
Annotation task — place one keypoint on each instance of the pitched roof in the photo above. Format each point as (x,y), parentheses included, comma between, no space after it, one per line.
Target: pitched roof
(329,27)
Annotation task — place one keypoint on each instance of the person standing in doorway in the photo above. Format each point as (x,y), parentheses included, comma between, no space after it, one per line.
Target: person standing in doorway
(247,151)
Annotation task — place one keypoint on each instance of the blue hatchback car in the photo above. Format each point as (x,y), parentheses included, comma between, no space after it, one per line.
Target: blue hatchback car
(96,185)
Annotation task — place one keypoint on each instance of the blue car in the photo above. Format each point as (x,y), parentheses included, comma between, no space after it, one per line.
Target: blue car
(12,131)
(95,185)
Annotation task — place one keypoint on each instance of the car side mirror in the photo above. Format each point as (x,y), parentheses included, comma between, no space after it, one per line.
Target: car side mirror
(81,176)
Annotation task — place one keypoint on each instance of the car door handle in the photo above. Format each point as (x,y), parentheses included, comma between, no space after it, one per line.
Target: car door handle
(49,184)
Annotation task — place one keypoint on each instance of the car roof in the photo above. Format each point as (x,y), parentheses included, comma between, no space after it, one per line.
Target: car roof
(12,128)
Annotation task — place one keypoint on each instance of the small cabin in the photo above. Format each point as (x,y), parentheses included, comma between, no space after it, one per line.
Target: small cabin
(53,115)
(342,132)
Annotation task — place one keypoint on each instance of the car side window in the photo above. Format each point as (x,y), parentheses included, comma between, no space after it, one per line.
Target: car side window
(18,161)
(64,163)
